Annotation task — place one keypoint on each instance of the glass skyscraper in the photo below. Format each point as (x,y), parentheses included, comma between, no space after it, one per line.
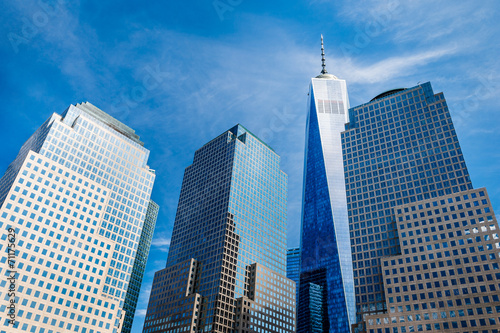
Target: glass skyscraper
(398,149)
(73,205)
(225,269)
(293,268)
(293,265)
(325,249)
(140,262)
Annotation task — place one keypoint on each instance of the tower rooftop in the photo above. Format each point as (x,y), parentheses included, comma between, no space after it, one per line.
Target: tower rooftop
(327,76)
(387,93)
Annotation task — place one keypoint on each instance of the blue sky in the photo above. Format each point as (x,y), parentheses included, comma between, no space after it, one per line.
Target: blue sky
(180,73)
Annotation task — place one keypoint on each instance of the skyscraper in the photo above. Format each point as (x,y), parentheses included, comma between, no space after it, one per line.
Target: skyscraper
(74,203)
(325,248)
(140,262)
(398,149)
(293,268)
(225,270)
(293,265)
(447,277)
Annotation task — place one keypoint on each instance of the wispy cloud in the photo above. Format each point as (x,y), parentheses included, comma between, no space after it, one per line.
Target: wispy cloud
(393,67)
(241,82)
(247,72)
(161,242)
(418,21)
(140,313)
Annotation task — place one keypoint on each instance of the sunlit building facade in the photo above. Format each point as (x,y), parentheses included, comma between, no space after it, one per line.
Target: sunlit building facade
(76,197)
(446,278)
(225,269)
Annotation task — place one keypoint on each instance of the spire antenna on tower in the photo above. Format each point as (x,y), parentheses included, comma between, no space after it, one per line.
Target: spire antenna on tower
(323,64)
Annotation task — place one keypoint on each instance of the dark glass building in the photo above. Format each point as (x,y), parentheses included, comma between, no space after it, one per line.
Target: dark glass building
(325,249)
(140,262)
(225,270)
(311,316)
(398,149)
(293,265)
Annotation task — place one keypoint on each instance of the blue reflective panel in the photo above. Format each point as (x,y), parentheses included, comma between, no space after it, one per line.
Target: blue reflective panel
(326,297)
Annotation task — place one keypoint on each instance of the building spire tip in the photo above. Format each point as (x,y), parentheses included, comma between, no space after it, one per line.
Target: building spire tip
(323,64)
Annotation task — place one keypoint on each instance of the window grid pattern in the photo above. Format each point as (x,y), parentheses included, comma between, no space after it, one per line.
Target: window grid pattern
(61,260)
(398,149)
(269,304)
(231,214)
(87,148)
(140,262)
(447,277)
(293,265)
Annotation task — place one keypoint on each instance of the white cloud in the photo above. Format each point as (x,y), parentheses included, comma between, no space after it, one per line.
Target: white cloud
(161,242)
(140,312)
(209,84)
(394,67)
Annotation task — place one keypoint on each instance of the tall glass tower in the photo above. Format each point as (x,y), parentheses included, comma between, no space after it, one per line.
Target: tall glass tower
(74,204)
(399,148)
(140,262)
(293,265)
(225,270)
(325,248)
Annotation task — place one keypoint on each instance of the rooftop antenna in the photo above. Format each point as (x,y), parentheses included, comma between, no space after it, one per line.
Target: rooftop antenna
(323,71)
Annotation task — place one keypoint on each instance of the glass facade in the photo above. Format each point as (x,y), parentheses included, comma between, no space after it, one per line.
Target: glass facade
(76,196)
(316,297)
(399,148)
(140,262)
(312,316)
(293,265)
(325,249)
(231,215)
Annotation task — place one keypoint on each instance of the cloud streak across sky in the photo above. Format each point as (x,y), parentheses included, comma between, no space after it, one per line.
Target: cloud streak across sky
(180,76)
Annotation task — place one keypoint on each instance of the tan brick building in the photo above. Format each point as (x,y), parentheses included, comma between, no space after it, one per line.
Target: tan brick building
(447,277)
